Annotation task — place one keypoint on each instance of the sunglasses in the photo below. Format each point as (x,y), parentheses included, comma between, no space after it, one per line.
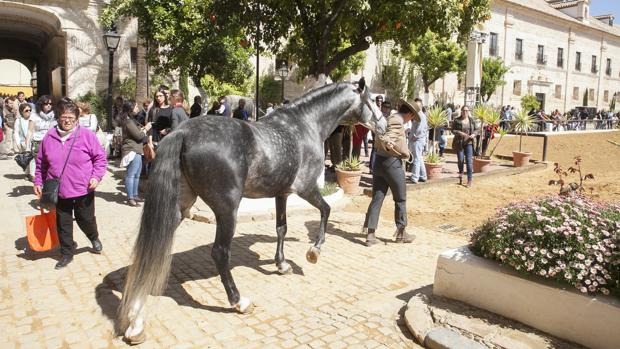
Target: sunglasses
(47,103)
(26,110)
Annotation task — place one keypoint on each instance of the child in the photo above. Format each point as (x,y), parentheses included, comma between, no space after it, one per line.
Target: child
(443,139)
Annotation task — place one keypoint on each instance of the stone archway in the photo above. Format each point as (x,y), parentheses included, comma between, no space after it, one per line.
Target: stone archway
(32,36)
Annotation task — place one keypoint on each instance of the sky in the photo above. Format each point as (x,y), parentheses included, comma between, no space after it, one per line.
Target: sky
(603,7)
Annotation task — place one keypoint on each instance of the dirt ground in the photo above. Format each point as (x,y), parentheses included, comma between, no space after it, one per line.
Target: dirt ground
(454,204)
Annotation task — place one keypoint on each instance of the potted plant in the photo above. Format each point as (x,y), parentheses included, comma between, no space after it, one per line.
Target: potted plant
(348,174)
(490,119)
(436,118)
(522,123)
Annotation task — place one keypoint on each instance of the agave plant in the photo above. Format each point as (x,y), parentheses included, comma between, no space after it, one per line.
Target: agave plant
(522,124)
(432,158)
(436,118)
(350,164)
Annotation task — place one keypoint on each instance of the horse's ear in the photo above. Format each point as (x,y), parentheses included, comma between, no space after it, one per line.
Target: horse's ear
(361,85)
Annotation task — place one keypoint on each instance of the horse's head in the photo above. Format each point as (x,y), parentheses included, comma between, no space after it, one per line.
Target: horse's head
(370,115)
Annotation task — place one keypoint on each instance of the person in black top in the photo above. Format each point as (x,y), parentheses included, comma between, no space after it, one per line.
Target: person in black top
(196,109)
(240,113)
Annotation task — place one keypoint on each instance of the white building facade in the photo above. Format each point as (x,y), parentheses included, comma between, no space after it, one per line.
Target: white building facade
(555,50)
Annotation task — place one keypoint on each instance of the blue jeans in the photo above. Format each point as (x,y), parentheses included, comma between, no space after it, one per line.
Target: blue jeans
(466,154)
(132,177)
(419,170)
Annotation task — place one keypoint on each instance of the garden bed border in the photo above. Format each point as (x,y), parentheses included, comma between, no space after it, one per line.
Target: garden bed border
(592,321)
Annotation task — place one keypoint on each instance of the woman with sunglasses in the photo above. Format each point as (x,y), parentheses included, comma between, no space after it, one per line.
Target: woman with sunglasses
(44,119)
(22,134)
(465,133)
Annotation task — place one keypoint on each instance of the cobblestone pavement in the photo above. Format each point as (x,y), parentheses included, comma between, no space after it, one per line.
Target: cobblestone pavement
(353,298)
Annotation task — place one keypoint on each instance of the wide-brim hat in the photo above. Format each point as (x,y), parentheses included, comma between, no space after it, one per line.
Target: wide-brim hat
(413,106)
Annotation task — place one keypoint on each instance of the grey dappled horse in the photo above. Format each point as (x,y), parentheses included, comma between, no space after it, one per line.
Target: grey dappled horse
(224,159)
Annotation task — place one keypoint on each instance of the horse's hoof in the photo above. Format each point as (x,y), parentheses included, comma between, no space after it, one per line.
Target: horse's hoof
(284,268)
(244,306)
(136,339)
(313,255)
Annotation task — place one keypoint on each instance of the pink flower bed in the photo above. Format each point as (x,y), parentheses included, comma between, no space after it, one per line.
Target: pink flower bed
(571,239)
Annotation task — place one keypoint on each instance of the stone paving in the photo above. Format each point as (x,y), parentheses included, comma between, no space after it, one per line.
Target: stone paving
(353,298)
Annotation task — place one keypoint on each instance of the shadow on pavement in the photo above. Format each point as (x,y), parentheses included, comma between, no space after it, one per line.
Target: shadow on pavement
(313,228)
(21,244)
(192,265)
(15,176)
(21,190)
(117,197)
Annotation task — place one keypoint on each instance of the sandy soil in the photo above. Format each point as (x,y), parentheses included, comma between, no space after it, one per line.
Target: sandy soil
(463,207)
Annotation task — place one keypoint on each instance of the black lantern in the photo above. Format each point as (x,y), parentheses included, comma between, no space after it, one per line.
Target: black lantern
(112,39)
(283,73)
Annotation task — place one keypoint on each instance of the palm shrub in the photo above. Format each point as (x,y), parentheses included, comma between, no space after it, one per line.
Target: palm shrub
(570,239)
(502,132)
(436,118)
(522,123)
(491,118)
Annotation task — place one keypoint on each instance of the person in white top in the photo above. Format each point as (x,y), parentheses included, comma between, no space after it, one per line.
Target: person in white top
(87,119)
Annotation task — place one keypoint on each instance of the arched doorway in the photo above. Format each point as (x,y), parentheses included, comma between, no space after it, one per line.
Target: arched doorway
(15,77)
(33,36)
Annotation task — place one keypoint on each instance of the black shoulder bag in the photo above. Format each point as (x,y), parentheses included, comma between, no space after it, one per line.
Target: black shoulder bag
(51,187)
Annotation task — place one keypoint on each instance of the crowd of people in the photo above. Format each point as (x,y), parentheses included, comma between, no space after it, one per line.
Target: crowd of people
(578,119)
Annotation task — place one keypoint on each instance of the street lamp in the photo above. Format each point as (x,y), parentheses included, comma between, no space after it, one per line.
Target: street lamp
(111,39)
(283,73)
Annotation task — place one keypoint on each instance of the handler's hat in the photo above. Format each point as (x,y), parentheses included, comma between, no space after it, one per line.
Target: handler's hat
(413,106)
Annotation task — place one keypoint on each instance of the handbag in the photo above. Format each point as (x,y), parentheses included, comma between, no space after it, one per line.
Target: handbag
(41,231)
(51,187)
(23,159)
(149,152)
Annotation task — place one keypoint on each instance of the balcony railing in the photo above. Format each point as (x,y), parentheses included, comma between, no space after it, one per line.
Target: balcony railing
(541,59)
(578,66)
(594,69)
(492,51)
(608,71)
(560,63)
(519,56)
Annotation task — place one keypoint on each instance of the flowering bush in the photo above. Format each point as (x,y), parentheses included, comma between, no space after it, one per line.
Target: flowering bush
(570,239)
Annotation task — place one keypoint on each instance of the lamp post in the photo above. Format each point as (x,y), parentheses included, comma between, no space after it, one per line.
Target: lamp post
(111,39)
(283,73)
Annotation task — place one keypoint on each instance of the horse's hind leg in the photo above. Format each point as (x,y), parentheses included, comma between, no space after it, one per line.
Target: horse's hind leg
(283,266)
(313,196)
(221,255)
(187,198)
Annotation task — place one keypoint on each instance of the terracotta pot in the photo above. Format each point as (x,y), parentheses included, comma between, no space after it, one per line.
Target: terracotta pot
(482,165)
(520,159)
(349,181)
(433,170)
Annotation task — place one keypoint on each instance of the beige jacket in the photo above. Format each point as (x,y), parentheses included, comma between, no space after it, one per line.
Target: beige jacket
(395,134)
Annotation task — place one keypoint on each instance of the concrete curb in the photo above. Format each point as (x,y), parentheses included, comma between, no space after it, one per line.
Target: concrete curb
(254,210)
(538,166)
(419,321)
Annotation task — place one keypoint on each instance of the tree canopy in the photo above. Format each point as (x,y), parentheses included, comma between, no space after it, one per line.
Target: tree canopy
(493,70)
(435,56)
(215,37)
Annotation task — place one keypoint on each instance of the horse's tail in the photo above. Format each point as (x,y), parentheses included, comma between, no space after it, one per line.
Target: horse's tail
(151,256)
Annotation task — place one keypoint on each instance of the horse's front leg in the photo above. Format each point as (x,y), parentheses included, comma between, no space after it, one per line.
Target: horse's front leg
(221,255)
(313,196)
(283,266)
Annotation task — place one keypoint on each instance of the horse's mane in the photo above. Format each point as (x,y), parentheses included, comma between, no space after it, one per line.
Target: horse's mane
(311,102)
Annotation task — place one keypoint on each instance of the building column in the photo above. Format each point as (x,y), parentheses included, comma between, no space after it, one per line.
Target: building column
(571,42)
(508,58)
(600,73)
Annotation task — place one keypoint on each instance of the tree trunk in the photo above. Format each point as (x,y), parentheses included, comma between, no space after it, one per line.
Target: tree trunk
(141,70)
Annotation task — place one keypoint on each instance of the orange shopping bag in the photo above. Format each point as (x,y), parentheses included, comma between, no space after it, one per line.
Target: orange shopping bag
(41,231)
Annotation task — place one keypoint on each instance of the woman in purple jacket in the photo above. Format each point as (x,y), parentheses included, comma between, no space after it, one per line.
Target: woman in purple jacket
(86,165)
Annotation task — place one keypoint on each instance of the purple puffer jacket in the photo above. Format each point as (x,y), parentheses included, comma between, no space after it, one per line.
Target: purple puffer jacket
(87,160)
